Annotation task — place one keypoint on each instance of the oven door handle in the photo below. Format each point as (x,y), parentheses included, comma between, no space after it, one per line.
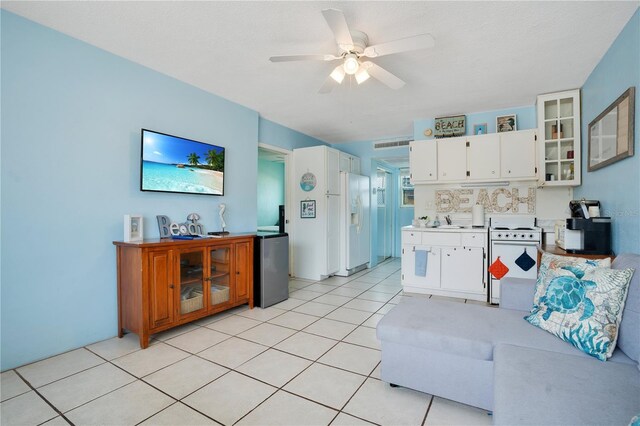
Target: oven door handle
(514,243)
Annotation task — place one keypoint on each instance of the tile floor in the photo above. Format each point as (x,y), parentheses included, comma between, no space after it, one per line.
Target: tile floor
(313,359)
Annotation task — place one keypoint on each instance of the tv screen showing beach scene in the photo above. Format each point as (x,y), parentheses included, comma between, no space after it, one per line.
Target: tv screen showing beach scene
(173,164)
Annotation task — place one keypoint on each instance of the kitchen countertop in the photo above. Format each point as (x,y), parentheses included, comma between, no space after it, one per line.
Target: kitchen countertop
(463,229)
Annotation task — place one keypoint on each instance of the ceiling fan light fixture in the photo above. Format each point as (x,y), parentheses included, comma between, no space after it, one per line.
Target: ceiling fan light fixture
(338,74)
(351,64)
(362,75)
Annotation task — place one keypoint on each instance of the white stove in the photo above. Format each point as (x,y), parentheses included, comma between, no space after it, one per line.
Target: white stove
(513,241)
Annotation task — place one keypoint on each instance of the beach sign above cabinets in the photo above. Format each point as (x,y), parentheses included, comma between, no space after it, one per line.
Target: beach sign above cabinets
(500,200)
(446,127)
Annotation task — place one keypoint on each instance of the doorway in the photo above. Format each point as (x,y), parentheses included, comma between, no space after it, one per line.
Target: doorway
(273,191)
(384,195)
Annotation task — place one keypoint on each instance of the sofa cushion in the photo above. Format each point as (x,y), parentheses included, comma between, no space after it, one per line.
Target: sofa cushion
(465,329)
(551,265)
(583,307)
(629,335)
(532,386)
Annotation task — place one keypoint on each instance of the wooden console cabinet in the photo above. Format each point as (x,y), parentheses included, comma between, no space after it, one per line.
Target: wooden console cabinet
(166,283)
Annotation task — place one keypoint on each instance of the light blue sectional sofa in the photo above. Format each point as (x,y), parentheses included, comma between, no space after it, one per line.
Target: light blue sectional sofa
(493,359)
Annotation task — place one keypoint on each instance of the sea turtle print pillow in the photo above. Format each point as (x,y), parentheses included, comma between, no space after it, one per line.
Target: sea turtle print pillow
(551,264)
(583,306)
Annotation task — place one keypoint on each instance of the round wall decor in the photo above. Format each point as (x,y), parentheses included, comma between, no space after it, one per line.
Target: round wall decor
(308,182)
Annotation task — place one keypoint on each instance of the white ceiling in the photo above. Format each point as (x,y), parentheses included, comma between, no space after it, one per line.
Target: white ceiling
(488,55)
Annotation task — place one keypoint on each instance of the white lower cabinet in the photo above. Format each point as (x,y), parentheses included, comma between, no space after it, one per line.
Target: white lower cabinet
(456,262)
(432,277)
(462,269)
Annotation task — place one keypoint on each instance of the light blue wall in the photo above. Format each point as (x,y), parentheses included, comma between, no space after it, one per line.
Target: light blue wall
(270,191)
(525,118)
(70,164)
(616,186)
(275,134)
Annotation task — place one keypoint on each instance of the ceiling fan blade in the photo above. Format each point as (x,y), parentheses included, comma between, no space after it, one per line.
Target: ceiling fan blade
(328,85)
(383,75)
(338,24)
(288,58)
(423,41)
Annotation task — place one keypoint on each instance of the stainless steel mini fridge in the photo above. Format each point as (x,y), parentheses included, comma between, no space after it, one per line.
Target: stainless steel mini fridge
(271,269)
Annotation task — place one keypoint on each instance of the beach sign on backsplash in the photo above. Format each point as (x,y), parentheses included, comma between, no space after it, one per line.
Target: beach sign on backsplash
(500,200)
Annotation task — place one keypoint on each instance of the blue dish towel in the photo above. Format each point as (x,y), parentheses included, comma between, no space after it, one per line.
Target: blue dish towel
(421,263)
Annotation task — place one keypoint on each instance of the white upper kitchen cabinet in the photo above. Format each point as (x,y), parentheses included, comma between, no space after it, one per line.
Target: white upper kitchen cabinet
(559,138)
(518,154)
(483,157)
(452,159)
(423,161)
(349,163)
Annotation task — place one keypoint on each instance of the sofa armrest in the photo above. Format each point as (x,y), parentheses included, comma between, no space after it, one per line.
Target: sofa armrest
(517,293)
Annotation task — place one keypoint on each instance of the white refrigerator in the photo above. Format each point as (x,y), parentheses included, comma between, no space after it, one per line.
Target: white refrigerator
(355,206)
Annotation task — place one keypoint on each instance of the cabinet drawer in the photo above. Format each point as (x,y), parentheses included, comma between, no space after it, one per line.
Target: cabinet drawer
(441,239)
(411,237)
(474,240)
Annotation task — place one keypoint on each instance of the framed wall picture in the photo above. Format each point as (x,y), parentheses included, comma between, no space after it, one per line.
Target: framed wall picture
(446,127)
(611,133)
(506,123)
(480,129)
(308,209)
(132,228)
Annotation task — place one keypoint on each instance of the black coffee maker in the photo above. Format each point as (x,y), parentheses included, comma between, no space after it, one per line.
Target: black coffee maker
(595,231)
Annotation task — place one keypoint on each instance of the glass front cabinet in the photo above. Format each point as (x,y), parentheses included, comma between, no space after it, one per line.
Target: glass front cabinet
(205,281)
(559,138)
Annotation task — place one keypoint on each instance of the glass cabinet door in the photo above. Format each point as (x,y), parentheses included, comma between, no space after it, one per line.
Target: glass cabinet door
(191,281)
(559,125)
(219,278)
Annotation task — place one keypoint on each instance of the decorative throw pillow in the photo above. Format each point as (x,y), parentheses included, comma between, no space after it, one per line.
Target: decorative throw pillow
(551,264)
(583,306)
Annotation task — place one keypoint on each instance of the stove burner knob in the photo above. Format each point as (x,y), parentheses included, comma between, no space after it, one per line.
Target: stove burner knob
(499,235)
(531,236)
(522,236)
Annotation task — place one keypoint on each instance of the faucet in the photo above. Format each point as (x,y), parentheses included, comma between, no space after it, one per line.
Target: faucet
(448,219)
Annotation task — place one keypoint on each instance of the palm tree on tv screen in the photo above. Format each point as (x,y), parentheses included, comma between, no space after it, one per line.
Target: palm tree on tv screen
(215,160)
(193,159)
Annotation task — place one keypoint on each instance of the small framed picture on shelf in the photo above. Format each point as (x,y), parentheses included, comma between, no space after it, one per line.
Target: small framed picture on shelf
(480,129)
(506,123)
(308,209)
(132,228)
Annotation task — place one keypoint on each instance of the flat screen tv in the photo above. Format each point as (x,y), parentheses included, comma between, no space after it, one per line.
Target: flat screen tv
(173,164)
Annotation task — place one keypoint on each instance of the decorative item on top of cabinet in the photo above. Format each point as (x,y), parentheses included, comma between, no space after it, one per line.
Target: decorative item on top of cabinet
(506,123)
(450,126)
(480,129)
(132,227)
(559,138)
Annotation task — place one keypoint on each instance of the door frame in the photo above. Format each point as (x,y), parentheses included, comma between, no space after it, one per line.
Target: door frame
(288,207)
(390,207)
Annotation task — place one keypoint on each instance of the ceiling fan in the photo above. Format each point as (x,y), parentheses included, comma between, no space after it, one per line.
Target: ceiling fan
(353,47)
